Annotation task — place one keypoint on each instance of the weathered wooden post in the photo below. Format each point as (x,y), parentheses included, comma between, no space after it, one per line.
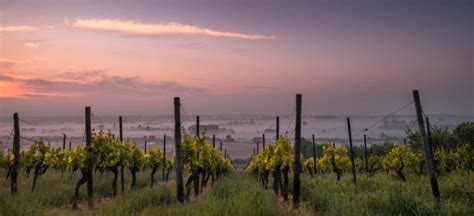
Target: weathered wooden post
(426,146)
(87,171)
(263,141)
(213,141)
(70,145)
(278,127)
(314,154)
(90,182)
(197,126)
(220,147)
(297,165)
(164,158)
(258,147)
(16,154)
(366,155)
(145,146)
(196,170)
(405,141)
(64,142)
(122,177)
(430,138)
(213,146)
(177,142)
(225,153)
(351,150)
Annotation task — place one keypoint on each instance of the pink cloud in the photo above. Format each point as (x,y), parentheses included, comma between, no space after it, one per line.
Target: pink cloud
(31,45)
(142,29)
(18,29)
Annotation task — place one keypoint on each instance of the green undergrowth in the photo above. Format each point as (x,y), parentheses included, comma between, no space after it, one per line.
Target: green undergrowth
(236,194)
(385,195)
(240,194)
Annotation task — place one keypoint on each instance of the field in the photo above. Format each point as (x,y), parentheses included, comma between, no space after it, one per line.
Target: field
(240,194)
(384,194)
(280,179)
(54,193)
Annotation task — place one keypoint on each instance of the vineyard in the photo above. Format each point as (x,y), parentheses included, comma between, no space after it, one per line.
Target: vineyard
(430,174)
(390,183)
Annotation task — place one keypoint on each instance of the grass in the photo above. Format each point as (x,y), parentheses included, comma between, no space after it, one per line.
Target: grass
(237,194)
(54,190)
(240,194)
(385,195)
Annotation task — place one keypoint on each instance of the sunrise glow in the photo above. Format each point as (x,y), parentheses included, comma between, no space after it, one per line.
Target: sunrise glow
(234,54)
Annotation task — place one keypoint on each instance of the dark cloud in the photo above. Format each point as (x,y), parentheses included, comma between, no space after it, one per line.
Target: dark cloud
(98,83)
(5,78)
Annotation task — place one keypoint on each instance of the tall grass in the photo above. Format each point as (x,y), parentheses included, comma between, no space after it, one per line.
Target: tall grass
(240,194)
(55,190)
(385,195)
(237,194)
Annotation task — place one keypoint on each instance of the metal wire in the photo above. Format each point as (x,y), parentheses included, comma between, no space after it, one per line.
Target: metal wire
(28,139)
(97,117)
(384,118)
(291,115)
(44,129)
(8,139)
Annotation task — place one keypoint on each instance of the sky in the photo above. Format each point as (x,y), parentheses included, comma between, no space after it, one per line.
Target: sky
(122,57)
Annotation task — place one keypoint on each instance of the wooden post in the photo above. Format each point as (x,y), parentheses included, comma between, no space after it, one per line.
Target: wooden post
(213,141)
(177,142)
(297,165)
(196,170)
(366,155)
(220,147)
(428,131)
(278,128)
(426,146)
(314,154)
(405,141)
(164,158)
(90,182)
(16,154)
(70,145)
(145,146)
(225,153)
(430,138)
(120,129)
(263,141)
(197,127)
(64,142)
(122,177)
(351,151)
(258,147)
